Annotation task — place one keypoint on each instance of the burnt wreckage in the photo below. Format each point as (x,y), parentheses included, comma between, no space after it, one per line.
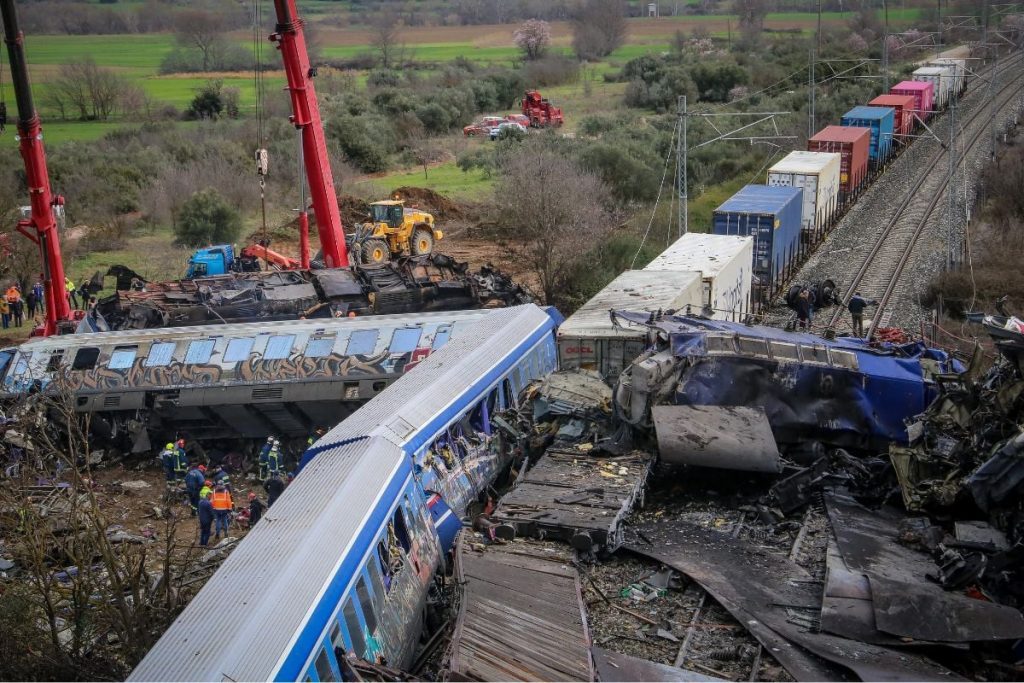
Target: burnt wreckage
(433,282)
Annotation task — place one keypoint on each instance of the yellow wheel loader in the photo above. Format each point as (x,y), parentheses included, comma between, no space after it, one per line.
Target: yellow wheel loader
(394,231)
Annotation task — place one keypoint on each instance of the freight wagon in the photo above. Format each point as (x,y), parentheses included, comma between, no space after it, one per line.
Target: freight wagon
(903,106)
(942,79)
(959,71)
(589,339)
(724,262)
(771,215)
(852,144)
(880,121)
(818,174)
(924,97)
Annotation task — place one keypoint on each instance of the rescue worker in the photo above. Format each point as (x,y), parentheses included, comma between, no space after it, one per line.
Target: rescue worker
(264,460)
(221,477)
(317,434)
(256,508)
(194,484)
(856,307)
(37,289)
(72,292)
(207,488)
(803,309)
(169,457)
(180,461)
(274,487)
(206,516)
(222,506)
(270,459)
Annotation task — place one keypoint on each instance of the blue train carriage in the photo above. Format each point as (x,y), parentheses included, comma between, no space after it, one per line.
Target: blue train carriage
(232,379)
(344,560)
(772,216)
(882,123)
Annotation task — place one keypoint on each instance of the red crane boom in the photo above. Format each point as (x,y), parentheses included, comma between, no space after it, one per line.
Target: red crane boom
(41,228)
(306,117)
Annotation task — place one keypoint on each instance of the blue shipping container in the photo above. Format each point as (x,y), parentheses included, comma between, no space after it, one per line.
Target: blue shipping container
(771,215)
(881,121)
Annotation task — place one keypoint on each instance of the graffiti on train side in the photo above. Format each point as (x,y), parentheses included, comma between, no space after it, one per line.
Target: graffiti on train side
(255,369)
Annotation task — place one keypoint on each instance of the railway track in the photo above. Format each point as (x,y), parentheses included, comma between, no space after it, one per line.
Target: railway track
(881,268)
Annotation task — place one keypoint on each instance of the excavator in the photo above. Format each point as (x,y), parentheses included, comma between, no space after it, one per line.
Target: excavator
(394,230)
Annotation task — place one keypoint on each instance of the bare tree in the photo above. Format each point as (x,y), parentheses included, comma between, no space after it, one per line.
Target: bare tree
(93,91)
(386,34)
(752,14)
(551,214)
(533,38)
(599,28)
(203,30)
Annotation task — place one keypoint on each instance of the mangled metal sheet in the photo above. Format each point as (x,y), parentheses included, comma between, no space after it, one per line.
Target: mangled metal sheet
(337,282)
(732,438)
(615,666)
(905,602)
(757,588)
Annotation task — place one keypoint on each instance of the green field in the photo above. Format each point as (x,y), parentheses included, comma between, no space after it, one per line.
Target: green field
(445,178)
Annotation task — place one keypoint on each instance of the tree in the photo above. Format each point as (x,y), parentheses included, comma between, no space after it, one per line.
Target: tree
(211,100)
(752,14)
(206,218)
(598,29)
(386,33)
(533,38)
(92,91)
(550,213)
(202,30)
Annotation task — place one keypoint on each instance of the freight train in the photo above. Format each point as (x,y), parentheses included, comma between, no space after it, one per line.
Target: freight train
(344,561)
(807,191)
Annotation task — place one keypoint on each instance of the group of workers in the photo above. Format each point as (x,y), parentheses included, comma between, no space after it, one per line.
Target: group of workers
(804,306)
(16,307)
(209,491)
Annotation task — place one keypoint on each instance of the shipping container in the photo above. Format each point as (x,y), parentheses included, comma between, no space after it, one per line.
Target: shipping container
(941,78)
(771,215)
(923,94)
(588,339)
(880,120)
(818,174)
(853,145)
(903,105)
(724,262)
(959,71)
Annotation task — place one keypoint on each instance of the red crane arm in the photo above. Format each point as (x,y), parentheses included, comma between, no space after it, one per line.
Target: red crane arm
(41,196)
(306,117)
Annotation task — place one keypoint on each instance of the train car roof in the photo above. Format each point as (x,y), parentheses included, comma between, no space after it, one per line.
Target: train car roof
(256,606)
(246,329)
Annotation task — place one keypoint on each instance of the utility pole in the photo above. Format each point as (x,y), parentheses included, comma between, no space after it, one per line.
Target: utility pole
(810,95)
(951,189)
(817,37)
(681,177)
(885,48)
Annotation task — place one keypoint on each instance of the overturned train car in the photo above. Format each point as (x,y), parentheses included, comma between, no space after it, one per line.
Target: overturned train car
(432,282)
(843,393)
(343,562)
(250,380)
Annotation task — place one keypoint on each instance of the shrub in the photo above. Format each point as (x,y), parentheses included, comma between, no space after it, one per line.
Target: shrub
(206,218)
(551,71)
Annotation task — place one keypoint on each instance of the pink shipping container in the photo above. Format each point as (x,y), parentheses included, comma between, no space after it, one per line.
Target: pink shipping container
(923,94)
(904,106)
(852,144)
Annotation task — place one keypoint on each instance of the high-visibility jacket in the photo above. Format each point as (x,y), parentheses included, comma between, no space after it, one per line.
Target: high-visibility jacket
(203,491)
(221,500)
(180,460)
(69,285)
(168,459)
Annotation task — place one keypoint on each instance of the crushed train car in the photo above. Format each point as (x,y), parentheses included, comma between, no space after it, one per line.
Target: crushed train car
(245,380)
(843,393)
(433,282)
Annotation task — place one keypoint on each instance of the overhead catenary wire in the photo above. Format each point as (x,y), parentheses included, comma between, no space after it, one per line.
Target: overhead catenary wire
(657,200)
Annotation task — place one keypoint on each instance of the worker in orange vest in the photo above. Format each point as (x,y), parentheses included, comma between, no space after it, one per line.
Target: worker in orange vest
(222,507)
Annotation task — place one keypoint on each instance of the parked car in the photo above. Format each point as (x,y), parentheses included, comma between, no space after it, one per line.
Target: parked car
(521,119)
(483,127)
(495,132)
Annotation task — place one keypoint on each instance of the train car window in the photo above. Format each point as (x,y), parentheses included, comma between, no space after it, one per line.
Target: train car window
(238,349)
(320,347)
(441,336)
(376,582)
(367,604)
(53,365)
(355,631)
(160,354)
(401,530)
(338,641)
(279,346)
(122,357)
(21,367)
(323,667)
(816,354)
(844,359)
(784,351)
(5,360)
(199,351)
(752,346)
(405,340)
(362,342)
(384,557)
(85,359)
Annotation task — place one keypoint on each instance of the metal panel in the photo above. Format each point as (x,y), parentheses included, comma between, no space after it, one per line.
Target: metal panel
(731,438)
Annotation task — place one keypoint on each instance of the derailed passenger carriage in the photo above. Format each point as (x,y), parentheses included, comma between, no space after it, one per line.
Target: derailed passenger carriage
(844,393)
(344,560)
(247,380)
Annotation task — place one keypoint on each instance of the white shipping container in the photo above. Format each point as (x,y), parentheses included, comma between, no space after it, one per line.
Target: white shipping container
(588,339)
(726,263)
(818,174)
(959,70)
(941,78)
